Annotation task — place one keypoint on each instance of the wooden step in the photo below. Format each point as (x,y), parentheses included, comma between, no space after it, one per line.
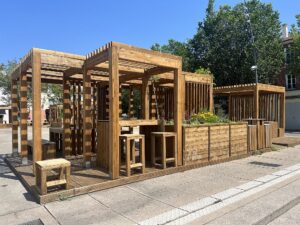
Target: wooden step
(56,182)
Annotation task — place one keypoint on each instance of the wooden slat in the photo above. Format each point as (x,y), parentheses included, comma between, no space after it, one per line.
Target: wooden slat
(66,118)
(87,118)
(14,112)
(24,114)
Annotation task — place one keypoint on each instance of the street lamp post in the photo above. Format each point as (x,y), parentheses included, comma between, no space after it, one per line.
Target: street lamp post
(254,67)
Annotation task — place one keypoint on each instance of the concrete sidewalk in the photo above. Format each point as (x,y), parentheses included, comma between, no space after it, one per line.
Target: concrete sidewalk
(142,202)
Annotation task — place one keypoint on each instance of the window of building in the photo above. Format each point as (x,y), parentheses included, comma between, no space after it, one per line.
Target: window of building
(290,81)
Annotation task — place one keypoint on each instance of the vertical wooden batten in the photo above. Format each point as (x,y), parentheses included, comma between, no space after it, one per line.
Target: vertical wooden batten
(23,115)
(87,119)
(66,117)
(14,112)
(256,102)
(145,98)
(178,109)
(282,111)
(36,106)
(114,166)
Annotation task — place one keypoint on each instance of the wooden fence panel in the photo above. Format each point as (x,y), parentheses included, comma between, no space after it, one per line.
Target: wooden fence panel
(219,142)
(238,139)
(102,158)
(195,144)
(213,142)
(252,138)
(268,136)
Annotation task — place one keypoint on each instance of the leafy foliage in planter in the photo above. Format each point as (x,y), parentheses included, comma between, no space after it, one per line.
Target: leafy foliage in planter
(206,117)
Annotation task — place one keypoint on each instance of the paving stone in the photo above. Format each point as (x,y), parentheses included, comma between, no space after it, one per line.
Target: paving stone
(130,203)
(84,210)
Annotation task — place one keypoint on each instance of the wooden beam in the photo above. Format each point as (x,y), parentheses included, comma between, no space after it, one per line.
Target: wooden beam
(179,103)
(87,117)
(114,166)
(14,112)
(66,118)
(148,57)
(36,107)
(24,116)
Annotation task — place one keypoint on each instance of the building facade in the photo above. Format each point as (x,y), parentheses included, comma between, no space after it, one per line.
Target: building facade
(291,83)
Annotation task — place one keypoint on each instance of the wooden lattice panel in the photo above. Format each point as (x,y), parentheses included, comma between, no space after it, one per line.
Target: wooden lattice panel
(219,142)
(238,139)
(195,144)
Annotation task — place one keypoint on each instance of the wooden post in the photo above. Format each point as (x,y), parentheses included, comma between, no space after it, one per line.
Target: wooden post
(87,119)
(145,98)
(211,98)
(23,107)
(178,110)
(282,111)
(79,116)
(256,102)
(14,113)
(114,113)
(67,118)
(36,107)
(230,107)
(74,138)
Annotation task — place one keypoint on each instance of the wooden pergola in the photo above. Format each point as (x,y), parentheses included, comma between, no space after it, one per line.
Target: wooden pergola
(255,101)
(89,80)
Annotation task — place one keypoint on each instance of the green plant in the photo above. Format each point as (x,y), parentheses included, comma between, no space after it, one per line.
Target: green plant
(207,117)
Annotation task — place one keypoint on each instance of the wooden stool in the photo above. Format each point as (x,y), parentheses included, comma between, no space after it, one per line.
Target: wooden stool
(130,164)
(164,160)
(43,167)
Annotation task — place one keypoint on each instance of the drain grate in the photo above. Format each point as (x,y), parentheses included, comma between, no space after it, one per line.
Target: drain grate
(265,164)
(33,222)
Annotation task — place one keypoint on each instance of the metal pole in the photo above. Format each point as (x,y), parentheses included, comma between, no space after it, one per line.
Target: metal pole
(252,41)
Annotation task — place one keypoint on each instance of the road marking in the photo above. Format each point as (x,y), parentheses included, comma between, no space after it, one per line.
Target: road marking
(188,213)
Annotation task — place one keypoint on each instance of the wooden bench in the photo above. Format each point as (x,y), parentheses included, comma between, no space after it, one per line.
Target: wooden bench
(43,169)
(163,150)
(48,149)
(129,143)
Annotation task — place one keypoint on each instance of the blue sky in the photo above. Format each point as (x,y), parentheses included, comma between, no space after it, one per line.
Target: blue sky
(79,26)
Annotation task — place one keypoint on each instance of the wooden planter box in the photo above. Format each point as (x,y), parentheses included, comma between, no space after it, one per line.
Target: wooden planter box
(211,142)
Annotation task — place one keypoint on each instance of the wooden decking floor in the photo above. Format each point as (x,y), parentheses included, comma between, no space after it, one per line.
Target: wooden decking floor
(84,181)
(87,179)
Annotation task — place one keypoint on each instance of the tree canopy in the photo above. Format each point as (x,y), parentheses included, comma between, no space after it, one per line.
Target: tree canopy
(53,91)
(230,40)
(294,65)
(5,81)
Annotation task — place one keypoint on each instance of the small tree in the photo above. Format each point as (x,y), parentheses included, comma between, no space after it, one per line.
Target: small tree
(5,80)
(294,65)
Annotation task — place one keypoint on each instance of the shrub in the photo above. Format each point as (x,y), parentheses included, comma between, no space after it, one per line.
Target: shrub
(206,117)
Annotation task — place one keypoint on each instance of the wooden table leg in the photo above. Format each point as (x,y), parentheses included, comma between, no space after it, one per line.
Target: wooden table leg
(163,153)
(153,150)
(43,184)
(68,177)
(175,151)
(133,150)
(128,157)
(142,153)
